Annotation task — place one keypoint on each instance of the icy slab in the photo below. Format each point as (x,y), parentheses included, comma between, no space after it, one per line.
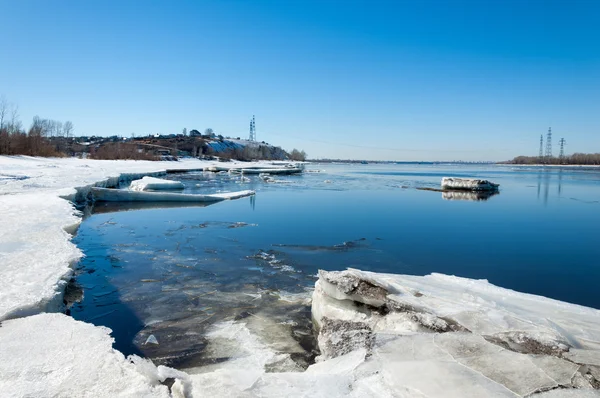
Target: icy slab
(470,337)
(122,195)
(52,355)
(468,184)
(155,184)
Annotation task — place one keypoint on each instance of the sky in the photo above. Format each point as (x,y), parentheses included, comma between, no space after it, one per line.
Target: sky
(378,80)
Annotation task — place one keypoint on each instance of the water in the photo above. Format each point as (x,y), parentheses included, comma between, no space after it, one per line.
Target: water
(171,273)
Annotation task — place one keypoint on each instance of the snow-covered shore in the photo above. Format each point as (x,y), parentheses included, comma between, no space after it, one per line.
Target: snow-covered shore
(379,334)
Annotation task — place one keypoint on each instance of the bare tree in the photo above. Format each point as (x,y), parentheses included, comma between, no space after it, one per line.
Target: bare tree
(184,132)
(4,105)
(15,123)
(58,130)
(208,131)
(297,155)
(68,129)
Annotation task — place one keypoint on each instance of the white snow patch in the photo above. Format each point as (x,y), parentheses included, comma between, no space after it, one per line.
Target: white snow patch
(52,355)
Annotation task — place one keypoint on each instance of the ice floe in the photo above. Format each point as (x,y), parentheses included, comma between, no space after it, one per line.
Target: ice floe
(154,184)
(123,195)
(468,184)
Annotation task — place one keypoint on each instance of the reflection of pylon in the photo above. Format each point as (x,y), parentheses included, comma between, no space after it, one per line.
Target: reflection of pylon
(252,129)
(562,143)
(549,144)
(541,155)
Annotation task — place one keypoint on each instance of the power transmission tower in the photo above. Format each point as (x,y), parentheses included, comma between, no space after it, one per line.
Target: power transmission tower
(562,143)
(549,144)
(541,155)
(252,129)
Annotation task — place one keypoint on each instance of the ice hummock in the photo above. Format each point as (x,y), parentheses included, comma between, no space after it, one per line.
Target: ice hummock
(155,184)
(473,338)
(468,184)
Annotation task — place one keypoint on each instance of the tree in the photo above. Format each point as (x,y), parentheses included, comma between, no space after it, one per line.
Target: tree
(297,155)
(3,109)
(208,132)
(184,132)
(68,129)
(15,124)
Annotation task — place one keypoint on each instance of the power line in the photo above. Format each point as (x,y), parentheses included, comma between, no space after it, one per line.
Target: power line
(549,143)
(252,129)
(562,143)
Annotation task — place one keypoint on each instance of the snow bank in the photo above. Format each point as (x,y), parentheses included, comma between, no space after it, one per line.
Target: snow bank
(152,183)
(469,184)
(52,355)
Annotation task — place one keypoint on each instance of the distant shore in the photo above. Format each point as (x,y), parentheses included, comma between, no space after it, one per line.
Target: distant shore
(550,165)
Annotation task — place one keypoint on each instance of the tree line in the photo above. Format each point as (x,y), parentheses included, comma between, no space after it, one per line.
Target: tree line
(15,140)
(574,159)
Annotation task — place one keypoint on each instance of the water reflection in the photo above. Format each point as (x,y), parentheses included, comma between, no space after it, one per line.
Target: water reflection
(472,196)
(543,181)
(111,207)
(560,175)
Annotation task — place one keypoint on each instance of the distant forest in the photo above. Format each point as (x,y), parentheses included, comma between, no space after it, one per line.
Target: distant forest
(574,159)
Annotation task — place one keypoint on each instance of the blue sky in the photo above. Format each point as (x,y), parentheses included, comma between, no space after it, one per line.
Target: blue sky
(388,80)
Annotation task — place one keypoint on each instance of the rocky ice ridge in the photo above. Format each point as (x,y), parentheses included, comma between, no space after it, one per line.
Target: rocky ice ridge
(472,338)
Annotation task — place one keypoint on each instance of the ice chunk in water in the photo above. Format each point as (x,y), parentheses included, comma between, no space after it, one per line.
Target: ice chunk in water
(151,340)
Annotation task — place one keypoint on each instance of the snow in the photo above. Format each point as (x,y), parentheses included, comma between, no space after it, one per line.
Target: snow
(152,183)
(52,355)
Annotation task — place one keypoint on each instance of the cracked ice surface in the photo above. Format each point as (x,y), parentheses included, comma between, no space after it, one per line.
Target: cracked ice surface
(456,337)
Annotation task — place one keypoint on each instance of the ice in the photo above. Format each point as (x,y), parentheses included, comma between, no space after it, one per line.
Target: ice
(469,184)
(122,195)
(152,183)
(451,336)
(589,357)
(151,340)
(49,355)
